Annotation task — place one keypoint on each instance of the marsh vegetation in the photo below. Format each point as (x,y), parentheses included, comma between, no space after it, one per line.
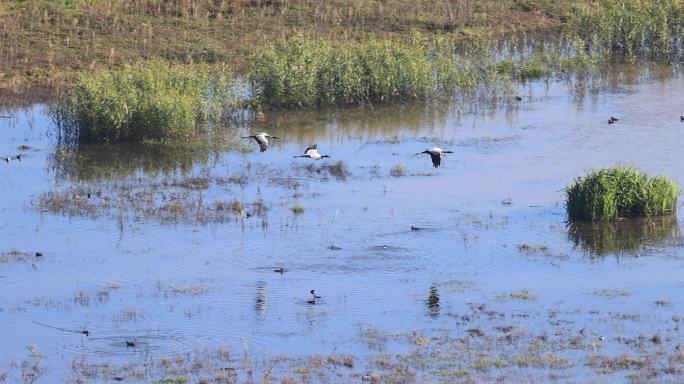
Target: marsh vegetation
(618,193)
(176,253)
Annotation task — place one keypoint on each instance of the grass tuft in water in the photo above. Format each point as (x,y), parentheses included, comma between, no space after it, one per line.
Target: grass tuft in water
(620,192)
(298,209)
(398,170)
(138,103)
(307,72)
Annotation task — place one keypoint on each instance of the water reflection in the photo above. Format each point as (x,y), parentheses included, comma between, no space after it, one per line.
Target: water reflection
(260,303)
(103,162)
(625,236)
(432,303)
(362,121)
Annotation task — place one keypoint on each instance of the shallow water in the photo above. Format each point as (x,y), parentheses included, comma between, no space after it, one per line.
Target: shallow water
(415,251)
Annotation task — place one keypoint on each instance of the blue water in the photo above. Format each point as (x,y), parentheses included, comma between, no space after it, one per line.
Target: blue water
(176,286)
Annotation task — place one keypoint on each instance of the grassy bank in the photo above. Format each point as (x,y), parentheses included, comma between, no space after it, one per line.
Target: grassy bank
(46,44)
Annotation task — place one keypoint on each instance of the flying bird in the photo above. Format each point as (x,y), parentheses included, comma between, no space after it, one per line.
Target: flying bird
(312,153)
(313,298)
(261,139)
(436,155)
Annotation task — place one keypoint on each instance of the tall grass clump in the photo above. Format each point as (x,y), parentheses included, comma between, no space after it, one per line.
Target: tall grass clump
(141,103)
(302,72)
(633,27)
(620,192)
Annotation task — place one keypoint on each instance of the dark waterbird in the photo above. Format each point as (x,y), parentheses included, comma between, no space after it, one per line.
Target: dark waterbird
(436,154)
(312,153)
(261,139)
(681,118)
(612,120)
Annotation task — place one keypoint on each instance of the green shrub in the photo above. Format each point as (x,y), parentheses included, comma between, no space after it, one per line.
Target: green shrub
(141,103)
(620,192)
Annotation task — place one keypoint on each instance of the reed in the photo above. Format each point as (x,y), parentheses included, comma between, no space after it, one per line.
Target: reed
(620,192)
(140,103)
(306,72)
(634,28)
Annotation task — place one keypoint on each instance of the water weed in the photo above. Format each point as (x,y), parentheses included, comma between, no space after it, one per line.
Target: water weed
(304,72)
(620,192)
(142,103)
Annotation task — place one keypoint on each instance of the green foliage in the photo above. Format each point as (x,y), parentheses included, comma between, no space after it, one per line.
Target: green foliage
(302,72)
(632,27)
(142,103)
(620,192)
(504,67)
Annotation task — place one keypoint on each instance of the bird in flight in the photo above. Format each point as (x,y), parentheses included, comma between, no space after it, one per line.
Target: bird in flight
(436,154)
(312,153)
(261,139)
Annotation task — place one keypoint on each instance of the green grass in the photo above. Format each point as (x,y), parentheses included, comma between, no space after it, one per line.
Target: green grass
(632,27)
(139,103)
(298,209)
(620,192)
(304,72)
(80,36)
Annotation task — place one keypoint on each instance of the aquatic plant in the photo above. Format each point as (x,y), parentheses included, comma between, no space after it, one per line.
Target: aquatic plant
(620,192)
(306,72)
(141,103)
(398,170)
(632,27)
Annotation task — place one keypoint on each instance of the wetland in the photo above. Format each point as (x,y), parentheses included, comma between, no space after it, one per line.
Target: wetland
(154,263)
(145,238)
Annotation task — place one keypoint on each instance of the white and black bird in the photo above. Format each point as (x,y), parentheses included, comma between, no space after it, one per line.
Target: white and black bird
(314,297)
(436,154)
(312,153)
(261,139)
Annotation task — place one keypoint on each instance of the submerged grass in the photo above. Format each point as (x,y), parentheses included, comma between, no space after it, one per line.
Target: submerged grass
(620,192)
